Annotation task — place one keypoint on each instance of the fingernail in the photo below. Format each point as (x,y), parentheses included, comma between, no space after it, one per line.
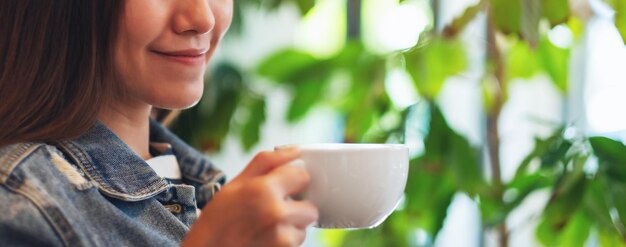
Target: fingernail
(285,147)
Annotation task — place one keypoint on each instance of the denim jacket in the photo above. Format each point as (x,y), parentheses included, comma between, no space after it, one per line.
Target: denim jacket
(95,191)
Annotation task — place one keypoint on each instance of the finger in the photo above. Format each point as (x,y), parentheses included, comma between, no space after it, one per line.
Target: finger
(264,162)
(278,236)
(289,180)
(301,214)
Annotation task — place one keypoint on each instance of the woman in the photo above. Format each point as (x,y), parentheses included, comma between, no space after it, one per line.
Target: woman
(82,164)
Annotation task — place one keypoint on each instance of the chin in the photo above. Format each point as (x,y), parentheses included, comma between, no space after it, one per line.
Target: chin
(178,100)
(178,104)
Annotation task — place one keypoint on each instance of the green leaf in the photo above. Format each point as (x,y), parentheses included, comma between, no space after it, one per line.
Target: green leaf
(572,180)
(365,101)
(432,63)
(522,17)
(272,4)
(430,186)
(495,209)
(574,234)
(620,16)
(507,15)
(492,210)
(577,26)
(332,237)
(365,238)
(288,66)
(358,121)
(612,172)
(520,187)
(464,161)
(521,62)
(566,197)
(429,192)
(597,204)
(556,11)
(448,165)
(555,61)
(459,157)
(550,151)
(617,192)
(306,95)
(612,157)
(351,54)
(577,231)
(556,152)
(397,230)
(394,232)
(611,239)
(608,149)
(308,77)
(250,133)
(304,5)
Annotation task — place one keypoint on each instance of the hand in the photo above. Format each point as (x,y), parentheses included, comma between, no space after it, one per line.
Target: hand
(255,208)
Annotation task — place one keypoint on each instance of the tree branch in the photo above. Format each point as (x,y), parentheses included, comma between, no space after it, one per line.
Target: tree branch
(493,117)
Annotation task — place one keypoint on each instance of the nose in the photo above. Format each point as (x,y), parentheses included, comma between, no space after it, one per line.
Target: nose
(193,17)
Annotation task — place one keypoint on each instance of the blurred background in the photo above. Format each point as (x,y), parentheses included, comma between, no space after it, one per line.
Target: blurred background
(512,110)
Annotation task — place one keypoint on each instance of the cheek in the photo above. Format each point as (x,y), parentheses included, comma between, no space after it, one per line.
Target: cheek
(144,20)
(223,11)
(130,70)
(139,26)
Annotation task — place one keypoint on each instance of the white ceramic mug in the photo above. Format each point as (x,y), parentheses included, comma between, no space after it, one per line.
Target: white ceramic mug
(354,185)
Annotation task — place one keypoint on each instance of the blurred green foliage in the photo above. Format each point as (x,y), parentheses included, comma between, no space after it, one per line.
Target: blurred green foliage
(585,177)
(620,15)
(431,64)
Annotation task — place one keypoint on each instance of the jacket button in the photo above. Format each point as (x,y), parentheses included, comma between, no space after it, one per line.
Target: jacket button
(174,208)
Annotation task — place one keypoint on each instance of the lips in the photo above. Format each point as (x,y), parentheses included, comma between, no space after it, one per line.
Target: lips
(191,57)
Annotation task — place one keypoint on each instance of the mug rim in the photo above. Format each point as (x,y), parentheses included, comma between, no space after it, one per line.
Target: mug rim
(344,146)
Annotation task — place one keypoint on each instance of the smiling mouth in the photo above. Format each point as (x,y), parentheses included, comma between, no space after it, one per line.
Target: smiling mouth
(191,57)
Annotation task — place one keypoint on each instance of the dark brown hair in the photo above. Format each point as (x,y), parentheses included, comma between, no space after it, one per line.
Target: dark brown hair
(55,65)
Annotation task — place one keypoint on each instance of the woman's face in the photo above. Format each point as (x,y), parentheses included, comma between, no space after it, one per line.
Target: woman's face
(163,47)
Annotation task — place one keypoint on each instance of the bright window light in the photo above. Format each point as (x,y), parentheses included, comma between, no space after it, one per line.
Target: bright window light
(606,77)
(561,36)
(399,86)
(322,31)
(389,26)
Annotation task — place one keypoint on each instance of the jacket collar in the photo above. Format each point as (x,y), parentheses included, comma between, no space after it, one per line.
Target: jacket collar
(113,166)
(120,173)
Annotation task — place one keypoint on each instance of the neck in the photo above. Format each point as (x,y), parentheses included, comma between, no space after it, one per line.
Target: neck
(130,122)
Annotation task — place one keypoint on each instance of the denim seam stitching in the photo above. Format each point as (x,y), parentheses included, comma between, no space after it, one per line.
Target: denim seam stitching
(52,221)
(10,158)
(38,201)
(82,161)
(19,153)
(88,167)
